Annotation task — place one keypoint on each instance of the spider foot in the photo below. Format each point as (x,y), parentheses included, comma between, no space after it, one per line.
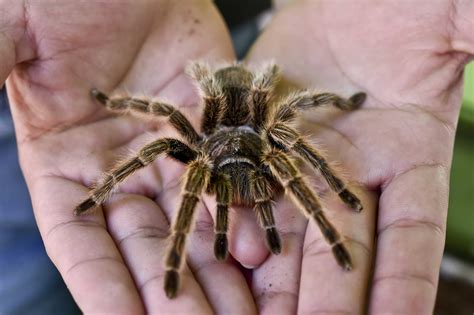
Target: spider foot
(273,240)
(351,200)
(358,99)
(171,283)
(220,247)
(98,95)
(342,256)
(84,206)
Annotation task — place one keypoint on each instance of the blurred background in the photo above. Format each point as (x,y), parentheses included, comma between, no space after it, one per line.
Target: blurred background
(26,268)
(456,286)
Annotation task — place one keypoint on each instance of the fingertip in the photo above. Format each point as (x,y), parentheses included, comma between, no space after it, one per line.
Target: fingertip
(249,253)
(246,239)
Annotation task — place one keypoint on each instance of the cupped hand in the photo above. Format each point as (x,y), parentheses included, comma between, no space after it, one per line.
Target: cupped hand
(396,150)
(112,260)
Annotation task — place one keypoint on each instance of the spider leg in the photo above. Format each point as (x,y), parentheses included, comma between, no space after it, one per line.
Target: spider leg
(263,86)
(318,99)
(288,107)
(144,106)
(172,147)
(284,137)
(197,178)
(288,174)
(223,189)
(263,208)
(214,99)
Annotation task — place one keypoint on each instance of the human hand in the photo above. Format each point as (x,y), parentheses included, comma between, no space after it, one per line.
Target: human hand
(112,260)
(398,148)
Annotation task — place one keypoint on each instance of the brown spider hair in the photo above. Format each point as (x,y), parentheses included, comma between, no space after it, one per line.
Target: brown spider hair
(243,155)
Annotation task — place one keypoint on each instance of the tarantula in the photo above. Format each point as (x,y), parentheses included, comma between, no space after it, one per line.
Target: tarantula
(242,156)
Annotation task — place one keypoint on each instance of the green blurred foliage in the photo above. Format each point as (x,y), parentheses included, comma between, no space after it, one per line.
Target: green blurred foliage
(467,112)
(460,230)
(469,86)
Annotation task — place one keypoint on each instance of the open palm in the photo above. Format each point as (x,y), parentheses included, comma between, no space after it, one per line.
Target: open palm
(112,260)
(396,151)
(397,148)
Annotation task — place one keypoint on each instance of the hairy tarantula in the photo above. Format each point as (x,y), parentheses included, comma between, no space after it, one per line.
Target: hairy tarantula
(243,156)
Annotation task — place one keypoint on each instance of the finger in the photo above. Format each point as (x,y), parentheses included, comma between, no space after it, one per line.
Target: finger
(140,231)
(246,238)
(219,280)
(410,242)
(82,250)
(223,282)
(276,281)
(148,76)
(325,287)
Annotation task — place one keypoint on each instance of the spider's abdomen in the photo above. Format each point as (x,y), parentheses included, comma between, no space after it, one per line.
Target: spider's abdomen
(236,85)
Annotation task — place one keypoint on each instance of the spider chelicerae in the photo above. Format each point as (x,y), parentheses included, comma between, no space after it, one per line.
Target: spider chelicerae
(244,155)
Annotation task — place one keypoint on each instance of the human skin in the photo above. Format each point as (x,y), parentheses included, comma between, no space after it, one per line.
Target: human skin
(111,260)
(397,149)
(54,53)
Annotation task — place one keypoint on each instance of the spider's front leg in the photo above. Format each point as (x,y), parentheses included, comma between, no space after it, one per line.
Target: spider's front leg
(289,175)
(283,136)
(172,147)
(145,106)
(197,178)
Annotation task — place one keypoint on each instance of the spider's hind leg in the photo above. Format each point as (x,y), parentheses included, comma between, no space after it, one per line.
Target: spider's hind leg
(319,99)
(288,107)
(149,107)
(214,100)
(263,86)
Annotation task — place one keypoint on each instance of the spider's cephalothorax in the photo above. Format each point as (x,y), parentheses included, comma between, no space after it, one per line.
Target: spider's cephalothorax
(243,155)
